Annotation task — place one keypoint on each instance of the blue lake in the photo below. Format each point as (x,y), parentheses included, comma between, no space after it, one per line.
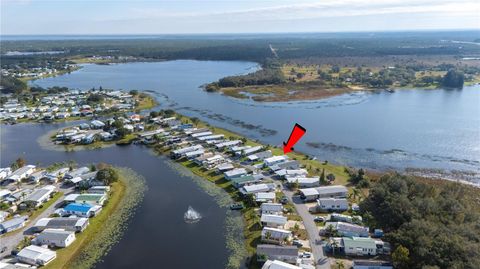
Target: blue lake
(419,129)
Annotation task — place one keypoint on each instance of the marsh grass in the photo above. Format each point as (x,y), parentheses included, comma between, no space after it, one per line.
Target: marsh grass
(220,192)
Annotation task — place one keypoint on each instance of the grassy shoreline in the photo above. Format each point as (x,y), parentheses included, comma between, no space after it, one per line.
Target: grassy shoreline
(251,226)
(284,93)
(107,227)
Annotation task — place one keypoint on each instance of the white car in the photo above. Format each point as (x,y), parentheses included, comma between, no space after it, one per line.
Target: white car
(306,254)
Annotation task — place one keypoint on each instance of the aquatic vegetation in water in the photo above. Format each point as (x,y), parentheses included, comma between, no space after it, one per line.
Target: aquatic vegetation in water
(234,225)
(117,222)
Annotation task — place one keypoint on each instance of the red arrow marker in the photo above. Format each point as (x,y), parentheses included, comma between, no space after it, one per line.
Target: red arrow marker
(297,133)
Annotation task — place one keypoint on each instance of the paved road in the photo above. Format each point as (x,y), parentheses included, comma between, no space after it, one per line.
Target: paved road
(315,241)
(321,260)
(11,240)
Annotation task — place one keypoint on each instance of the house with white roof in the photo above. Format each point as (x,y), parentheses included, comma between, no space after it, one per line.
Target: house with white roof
(273,221)
(37,176)
(346,229)
(304,182)
(55,238)
(332,204)
(260,156)
(251,189)
(251,150)
(271,208)
(180,152)
(291,173)
(335,191)
(228,144)
(35,255)
(221,168)
(275,160)
(265,197)
(40,196)
(5,172)
(238,172)
(21,173)
(276,264)
(276,236)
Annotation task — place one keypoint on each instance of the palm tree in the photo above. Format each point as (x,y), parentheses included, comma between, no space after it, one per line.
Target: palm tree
(340,265)
(330,230)
(268,235)
(355,193)
(334,246)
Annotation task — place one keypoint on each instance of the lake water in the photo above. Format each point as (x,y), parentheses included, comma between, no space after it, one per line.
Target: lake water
(157,233)
(437,129)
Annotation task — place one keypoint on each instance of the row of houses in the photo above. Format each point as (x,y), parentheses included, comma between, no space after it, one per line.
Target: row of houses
(60,232)
(225,157)
(73,103)
(33,174)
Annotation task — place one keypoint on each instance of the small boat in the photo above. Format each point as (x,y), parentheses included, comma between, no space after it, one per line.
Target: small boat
(390,90)
(236,206)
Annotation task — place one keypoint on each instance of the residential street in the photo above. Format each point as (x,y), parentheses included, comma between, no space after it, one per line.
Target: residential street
(316,242)
(11,240)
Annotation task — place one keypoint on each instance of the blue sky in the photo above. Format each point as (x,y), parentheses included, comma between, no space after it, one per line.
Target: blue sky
(233,16)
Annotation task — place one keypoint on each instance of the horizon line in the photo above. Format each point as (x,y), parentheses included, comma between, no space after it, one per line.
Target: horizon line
(256,33)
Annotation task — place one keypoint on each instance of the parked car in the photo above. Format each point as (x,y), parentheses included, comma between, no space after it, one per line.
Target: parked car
(319,219)
(306,254)
(284,200)
(297,243)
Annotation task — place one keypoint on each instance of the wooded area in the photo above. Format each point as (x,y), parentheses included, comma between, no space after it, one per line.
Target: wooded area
(431,223)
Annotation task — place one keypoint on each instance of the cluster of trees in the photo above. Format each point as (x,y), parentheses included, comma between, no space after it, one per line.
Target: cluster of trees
(12,85)
(271,73)
(431,224)
(357,177)
(95,98)
(107,174)
(453,79)
(19,163)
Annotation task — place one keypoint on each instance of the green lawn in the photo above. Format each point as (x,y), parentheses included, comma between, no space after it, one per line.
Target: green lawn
(65,256)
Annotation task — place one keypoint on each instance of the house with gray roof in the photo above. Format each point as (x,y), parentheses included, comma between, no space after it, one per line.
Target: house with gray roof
(55,238)
(67,224)
(12,224)
(288,254)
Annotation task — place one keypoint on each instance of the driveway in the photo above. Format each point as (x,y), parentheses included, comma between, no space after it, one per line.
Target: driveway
(315,240)
(11,240)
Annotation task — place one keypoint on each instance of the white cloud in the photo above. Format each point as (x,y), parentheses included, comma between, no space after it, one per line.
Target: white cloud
(323,9)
